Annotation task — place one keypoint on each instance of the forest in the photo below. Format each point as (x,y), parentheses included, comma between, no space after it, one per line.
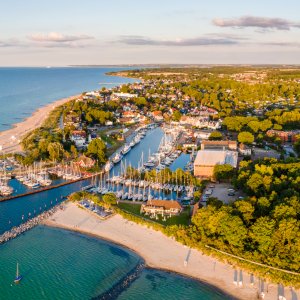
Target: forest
(264,226)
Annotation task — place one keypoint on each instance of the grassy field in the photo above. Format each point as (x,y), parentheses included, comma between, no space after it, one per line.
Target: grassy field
(183,218)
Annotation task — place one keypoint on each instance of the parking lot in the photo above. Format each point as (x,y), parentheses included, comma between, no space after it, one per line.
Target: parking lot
(221,191)
(262,153)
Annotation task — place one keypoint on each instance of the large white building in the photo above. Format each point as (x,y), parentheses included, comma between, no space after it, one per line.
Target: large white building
(207,159)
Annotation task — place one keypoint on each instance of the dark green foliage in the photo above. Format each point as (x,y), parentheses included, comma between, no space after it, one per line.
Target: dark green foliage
(222,172)
(215,136)
(246,137)
(97,148)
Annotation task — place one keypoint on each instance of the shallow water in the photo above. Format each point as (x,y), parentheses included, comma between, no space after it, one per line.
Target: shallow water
(60,264)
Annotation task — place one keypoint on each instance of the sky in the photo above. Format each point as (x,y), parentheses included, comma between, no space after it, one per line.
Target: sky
(91,32)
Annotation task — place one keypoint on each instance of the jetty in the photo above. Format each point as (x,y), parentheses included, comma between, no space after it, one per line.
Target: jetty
(48,187)
(17,230)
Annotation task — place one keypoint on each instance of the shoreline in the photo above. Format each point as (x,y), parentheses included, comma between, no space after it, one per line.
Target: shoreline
(10,138)
(147,266)
(162,252)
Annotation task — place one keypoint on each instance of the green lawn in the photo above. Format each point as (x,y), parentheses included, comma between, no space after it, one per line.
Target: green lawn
(183,218)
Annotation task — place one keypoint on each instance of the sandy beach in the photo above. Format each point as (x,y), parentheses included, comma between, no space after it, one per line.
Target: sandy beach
(10,139)
(162,252)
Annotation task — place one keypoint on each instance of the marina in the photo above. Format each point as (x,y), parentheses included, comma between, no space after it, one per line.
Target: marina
(25,203)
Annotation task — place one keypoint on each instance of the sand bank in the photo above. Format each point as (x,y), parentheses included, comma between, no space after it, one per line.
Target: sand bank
(162,252)
(10,139)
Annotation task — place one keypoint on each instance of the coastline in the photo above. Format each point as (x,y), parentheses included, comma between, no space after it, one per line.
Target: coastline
(10,138)
(161,252)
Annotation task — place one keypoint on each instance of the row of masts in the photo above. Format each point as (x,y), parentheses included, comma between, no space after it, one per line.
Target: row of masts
(130,186)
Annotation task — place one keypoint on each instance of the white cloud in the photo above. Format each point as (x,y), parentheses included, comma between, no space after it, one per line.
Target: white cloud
(56,37)
(257,22)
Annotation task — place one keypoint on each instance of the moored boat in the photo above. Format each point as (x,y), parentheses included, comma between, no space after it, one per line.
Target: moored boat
(126,149)
(117,158)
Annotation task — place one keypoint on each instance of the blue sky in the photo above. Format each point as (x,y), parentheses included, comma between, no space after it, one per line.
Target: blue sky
(38,33)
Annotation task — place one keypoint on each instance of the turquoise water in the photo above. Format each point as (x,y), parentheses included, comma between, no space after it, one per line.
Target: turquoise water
(26,89)
(12,211)
(59,264)
(154,285)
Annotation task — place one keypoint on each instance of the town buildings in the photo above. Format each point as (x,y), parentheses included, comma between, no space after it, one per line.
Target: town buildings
(285,136)
(85,162)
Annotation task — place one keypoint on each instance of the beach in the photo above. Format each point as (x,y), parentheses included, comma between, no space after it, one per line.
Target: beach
(162,252)
(10,139)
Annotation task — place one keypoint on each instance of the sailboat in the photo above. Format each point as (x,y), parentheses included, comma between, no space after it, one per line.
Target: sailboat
(18,276)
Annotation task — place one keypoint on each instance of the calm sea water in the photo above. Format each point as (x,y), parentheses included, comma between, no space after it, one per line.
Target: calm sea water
(62,265)
(26,89)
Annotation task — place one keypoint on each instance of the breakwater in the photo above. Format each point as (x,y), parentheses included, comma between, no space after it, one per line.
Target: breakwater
(122,284)
(17,230)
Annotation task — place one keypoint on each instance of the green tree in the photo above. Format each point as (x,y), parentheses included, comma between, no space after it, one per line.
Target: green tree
(197,195)
(245,209)
(215,136)
(74,151)
(55,151)
(222,172)
(254,126)
(297,145)
(109,200)
(246,137)
(176,116)
(213,201)
(97,149)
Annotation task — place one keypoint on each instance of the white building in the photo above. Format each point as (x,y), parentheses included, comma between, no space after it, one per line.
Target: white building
(206,160)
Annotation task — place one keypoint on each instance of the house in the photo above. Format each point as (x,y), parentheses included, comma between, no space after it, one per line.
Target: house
(219,145)
(206,160)
(244,150)
(285,136)
(130,114)
(200,122)
(85,162)
(162,207)
(157,115)
(203,135)
(79,138)
(127,120)
(108,123)
(123,96)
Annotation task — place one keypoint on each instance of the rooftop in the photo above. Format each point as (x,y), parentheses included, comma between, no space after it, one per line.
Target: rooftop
(216,157)
(167,204)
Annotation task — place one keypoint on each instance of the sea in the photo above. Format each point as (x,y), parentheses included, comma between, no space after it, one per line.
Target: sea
(24,90)
(61,264)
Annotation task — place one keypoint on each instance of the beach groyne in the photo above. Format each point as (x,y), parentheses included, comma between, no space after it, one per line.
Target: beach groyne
(17,230)
(122,284)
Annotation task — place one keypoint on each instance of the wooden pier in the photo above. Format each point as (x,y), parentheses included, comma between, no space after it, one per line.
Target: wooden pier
(2,199)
